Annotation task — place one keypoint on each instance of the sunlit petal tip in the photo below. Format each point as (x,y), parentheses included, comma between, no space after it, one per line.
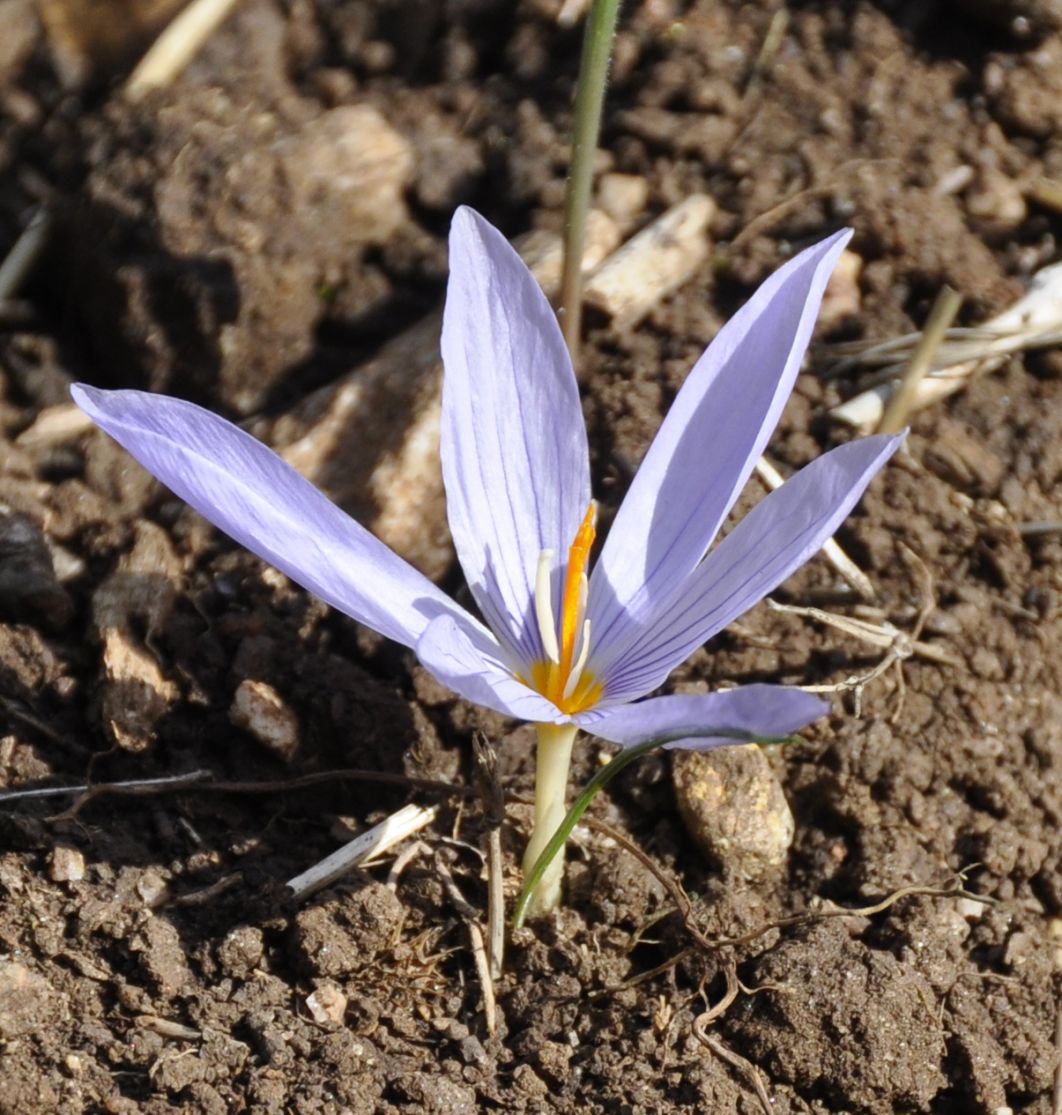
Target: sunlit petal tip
(513,441)
(246,490)
(709,441)
(729,716)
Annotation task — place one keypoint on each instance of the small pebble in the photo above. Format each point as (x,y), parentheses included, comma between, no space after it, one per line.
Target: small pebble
(66,865)
(327,1005)
(260,710)
(970,909)
(152,888)
(26,1001)
(734,809)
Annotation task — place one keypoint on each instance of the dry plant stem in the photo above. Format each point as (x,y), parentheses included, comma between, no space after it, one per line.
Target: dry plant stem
(206,895)
(408,820)
(945,307)
(1033,321)
(24,254)
(204,781)
(177,46)
(494,806)
(685,908)
(589,100)
(1039,528)
(551,783)
(831,550)
(801,198)
(714,1045)
(475,938)
(1047,192)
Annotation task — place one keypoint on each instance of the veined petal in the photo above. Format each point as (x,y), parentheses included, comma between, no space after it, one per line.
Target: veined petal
(757,710)
(468,662)
(514,454)
(707,445)
(246,490)
(780,533)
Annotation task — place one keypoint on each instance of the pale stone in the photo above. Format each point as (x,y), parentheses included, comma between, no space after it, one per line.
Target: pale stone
(66,865)
(259,709)
(327,1005)
(734,808)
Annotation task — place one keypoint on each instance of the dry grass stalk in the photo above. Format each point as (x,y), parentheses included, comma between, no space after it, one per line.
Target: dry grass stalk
(177,46)
(1034,321)
(945,307)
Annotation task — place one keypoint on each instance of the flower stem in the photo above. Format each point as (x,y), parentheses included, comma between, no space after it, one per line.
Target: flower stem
(534,870)
(551,783)
(589,99)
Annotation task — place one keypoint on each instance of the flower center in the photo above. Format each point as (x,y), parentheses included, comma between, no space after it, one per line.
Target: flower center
(562,676)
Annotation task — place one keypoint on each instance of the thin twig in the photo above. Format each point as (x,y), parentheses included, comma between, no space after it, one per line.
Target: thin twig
(898,645)
(205,782)
(685,907)
(801,198)
(1033,321)
(24,254)
(1040,528)
(945,307)
(475,937)
(16,712)
(494,805)
(714,1045)
(402,861)
(206,895)
(671,885)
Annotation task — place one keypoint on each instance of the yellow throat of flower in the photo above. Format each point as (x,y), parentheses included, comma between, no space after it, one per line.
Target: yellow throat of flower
(561,676)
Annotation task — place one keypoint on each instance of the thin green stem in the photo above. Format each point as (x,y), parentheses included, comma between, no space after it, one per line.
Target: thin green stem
(589,99)
(533,875)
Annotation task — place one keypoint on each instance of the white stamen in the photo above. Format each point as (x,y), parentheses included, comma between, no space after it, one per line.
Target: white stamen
(544,606)
(579,663)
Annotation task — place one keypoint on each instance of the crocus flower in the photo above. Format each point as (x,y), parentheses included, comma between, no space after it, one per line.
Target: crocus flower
(558,645)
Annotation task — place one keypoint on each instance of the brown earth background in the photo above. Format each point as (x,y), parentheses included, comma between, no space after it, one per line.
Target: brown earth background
(273,223)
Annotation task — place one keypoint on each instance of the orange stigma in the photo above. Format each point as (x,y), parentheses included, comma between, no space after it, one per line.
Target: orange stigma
(573,603)
(562,676)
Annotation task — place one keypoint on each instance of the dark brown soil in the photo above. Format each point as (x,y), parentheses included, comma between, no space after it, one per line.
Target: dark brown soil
(174,975)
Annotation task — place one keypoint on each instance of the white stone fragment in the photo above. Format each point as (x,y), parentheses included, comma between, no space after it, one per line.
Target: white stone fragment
(327,1005)
(259,709)
(66,865)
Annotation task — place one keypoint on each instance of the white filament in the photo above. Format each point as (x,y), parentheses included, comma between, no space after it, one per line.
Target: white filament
(579,663)
(544,606)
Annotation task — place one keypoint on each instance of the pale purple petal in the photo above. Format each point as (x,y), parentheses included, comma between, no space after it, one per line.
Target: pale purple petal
(469,663)
(781,533)
(514,453)
(767,711)
(707,445)
(246,490)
